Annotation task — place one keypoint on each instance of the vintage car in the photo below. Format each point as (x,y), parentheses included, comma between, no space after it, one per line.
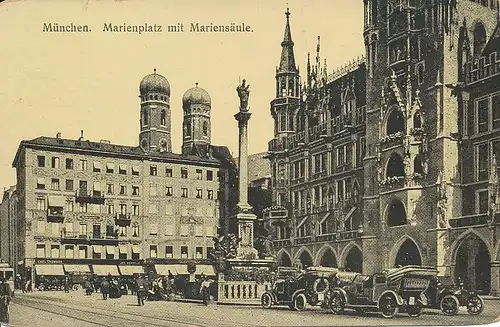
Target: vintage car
(309,287)
(388,292)
(447,297)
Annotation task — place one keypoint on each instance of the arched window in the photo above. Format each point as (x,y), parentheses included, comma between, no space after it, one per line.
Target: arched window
(283,122)
(188,128)
(479,38)
(290,123)
(156,97)
(163,119)
(420,74)
(150,97)
(395,166)
(145,118)
(205,128)
(395,122)
(417,165)
(396,214)
(417,120)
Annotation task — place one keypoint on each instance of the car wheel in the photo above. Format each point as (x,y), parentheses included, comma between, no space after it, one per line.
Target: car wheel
(388,306)
(475,305)
(76,287)
(449,305)
(337,303)
(415,310)
(266,300)
(300,302)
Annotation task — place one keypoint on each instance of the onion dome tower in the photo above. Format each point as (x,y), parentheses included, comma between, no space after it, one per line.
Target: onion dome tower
(196,104)
(155,114)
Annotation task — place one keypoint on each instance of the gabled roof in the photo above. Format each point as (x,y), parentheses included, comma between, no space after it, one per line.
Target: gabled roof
(493,44)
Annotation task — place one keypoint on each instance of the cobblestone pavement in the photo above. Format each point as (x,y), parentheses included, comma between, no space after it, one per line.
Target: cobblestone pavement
(76,309)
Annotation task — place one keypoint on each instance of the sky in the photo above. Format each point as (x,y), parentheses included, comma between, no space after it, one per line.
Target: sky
(67,82)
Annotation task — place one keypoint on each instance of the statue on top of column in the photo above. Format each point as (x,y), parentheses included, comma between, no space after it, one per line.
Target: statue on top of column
(243,92)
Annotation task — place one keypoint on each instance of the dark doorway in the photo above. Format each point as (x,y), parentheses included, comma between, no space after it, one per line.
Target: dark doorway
(328,259)
(408,254)
(354,260)
(473,265)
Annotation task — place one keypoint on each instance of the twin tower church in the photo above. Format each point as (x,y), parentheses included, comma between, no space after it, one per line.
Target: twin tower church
(155,132)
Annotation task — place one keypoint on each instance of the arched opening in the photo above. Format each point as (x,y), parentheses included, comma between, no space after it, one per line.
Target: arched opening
(283,122)
(163,118)
(354,260)
(417,165)
(328,259)
(284,260)
(473,264)
(395,122)
(188,128)
(145,118)
(396,214)
(479,38)
(417,121)
(408,254)
(305,259)
(395,166)
(205,128)
(290,124)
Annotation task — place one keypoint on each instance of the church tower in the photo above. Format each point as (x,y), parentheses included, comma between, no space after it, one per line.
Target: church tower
(286,102)
(155,114)
(196,105)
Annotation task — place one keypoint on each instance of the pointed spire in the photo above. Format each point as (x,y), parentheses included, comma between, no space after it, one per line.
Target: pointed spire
(287,61)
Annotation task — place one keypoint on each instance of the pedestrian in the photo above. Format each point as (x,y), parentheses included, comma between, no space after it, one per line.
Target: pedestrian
(105,289)
(66,284)
(141,290)
(89,288)
(5,296)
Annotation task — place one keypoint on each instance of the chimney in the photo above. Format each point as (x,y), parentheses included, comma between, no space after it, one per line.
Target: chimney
(81,136)
(58,135)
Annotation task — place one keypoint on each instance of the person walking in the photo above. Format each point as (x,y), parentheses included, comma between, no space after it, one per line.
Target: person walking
(66,284)
(105,289)
(5,297)
(141,290)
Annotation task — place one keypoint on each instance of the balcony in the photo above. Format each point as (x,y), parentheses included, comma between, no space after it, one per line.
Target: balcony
(85,196)
(471,220)
(282,243)
(108,239)
(73,238)
(392,183)
(55,214)
(123,219)
(327,237)
(391,140)
(275,212)
(303,240)
(351,234)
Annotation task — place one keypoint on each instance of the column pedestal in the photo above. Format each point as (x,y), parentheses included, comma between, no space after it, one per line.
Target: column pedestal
(244,223)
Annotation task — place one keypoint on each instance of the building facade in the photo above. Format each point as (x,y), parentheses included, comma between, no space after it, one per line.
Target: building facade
(108,206)
(8,233)
(419,186)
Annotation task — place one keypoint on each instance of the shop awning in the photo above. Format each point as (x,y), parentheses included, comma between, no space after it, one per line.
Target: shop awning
(207,270)
(123,167)
(97,248)
(136,249)
(174,269)
(110,165)
(57,201)
(97,165)
(123,248)
(49,270)
(135,169)
(77,268)
(40,180)
(105,270)
(131,270)
(97,186)
(110,249)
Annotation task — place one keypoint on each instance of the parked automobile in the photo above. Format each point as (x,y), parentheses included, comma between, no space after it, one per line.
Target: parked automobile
(447,297)
(309,287)
(388,292)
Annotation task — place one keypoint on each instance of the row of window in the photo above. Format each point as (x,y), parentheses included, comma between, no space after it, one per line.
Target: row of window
(484,154)
(320,195)
(485,115)
(345,156)
(71,229)
(123,208)
(112,252)
(110,168)
(97,188)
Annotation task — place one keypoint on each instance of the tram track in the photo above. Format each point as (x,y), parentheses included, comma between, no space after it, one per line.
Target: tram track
(70,311)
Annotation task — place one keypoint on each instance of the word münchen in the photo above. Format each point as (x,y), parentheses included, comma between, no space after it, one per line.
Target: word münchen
(231,28)
(65,28)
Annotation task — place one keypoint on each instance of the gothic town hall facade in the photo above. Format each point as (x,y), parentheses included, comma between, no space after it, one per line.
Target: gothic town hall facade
(392,159)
